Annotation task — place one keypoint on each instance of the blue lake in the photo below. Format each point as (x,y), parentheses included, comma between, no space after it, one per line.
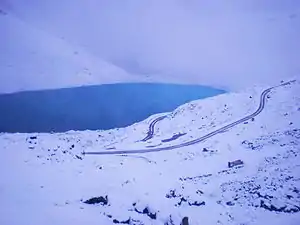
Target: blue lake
(93,107)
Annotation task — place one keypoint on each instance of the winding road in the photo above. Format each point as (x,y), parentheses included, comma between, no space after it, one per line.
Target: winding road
(200,139)
(150,132)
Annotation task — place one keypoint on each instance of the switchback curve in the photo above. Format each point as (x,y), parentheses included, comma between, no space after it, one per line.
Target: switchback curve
(200,139)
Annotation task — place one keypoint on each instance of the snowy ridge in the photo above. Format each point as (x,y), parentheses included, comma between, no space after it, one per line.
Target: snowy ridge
(49,180)
(33,60)
(225,45)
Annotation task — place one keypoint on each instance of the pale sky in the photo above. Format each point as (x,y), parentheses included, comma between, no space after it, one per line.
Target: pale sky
(222,43)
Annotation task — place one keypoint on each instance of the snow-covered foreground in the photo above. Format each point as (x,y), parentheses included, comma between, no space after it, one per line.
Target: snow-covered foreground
(46,180)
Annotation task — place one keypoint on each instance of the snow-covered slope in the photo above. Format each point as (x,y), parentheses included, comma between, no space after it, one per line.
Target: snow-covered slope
(32,59)
(46,180)
(229,45)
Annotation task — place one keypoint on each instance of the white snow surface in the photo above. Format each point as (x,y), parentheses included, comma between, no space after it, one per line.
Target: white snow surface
(33,59)
(45,179)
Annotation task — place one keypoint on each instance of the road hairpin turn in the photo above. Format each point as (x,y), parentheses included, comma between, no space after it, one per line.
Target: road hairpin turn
(195,141)
(150,132)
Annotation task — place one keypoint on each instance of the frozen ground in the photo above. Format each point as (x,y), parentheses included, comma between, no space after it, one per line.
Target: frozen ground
(46,180)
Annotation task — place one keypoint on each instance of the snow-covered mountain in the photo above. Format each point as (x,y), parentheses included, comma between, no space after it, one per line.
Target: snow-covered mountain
(33,59)
(48,44)
(247,174)
(46,180)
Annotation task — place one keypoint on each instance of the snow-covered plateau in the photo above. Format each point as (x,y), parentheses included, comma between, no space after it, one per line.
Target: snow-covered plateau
(45,178)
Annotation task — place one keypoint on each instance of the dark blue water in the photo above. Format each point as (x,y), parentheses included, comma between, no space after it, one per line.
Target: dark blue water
(93,107)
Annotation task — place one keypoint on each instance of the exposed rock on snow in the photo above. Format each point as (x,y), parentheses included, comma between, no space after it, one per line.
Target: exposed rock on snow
(45,176)
(235,163)
(97,200)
